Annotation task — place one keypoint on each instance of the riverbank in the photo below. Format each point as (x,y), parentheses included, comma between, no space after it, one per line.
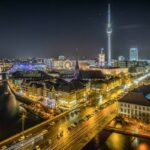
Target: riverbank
(129,126)
(114,141)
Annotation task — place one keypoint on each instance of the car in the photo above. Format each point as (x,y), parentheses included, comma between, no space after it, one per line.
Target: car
(45,131)
(21,138)
(73,125)
(4,147)
(37,147)
(49,141)
(52,123)
(29,135)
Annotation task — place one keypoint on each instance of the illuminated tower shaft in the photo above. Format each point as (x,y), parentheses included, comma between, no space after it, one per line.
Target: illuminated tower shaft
(109,31)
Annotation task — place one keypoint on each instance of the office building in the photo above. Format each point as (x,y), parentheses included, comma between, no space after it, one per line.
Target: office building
(135,105)
(133,56)
(101,59)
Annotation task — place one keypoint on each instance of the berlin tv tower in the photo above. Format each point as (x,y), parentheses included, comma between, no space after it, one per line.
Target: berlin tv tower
(109,31)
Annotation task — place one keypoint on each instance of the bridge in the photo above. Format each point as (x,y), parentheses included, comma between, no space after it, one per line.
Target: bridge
(131,132)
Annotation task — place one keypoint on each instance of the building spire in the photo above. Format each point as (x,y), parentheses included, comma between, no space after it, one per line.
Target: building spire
(109,32)
(109,16)
(76,74)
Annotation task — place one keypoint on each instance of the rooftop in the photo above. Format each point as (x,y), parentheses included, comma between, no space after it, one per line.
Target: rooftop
(145,89)
(91,74)
(135,98)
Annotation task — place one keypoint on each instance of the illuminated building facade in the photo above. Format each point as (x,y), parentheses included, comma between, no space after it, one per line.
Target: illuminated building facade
(59,93)
(135,105)
(113,71)
(133,54)
(68,64)
(101,59)
(26,67)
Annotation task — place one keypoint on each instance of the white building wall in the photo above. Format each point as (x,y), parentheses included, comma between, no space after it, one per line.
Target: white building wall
(134,110)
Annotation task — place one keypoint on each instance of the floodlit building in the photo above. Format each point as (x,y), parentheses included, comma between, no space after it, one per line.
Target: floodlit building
(60,93)
(62,64)
(101,59)
(135,105)
(113,71)
(133,56)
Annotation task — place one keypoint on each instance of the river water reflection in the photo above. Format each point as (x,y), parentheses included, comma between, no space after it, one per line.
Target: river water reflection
(12,126)
(115,141)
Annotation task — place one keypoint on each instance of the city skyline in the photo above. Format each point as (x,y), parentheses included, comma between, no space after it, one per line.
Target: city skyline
(27,28)
(74,75)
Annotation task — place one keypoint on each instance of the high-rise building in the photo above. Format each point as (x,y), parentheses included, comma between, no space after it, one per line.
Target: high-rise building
(109,32)
(101,59)
(133,56)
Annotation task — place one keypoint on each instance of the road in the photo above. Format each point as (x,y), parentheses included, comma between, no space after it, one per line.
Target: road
(84,132)
(79,135)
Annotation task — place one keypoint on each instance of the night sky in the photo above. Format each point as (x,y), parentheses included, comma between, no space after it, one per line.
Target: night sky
(57,27)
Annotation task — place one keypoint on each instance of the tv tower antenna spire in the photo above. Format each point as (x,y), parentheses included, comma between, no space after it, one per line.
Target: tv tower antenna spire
(109,32)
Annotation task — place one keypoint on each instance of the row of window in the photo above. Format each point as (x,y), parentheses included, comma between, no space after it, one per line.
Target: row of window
(135,112)
(135,106)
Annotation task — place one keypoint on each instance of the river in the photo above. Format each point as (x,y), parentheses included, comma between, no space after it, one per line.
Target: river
(10,125)
(115,141)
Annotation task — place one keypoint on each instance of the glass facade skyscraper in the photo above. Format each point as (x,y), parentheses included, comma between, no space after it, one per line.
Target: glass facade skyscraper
(133,56)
